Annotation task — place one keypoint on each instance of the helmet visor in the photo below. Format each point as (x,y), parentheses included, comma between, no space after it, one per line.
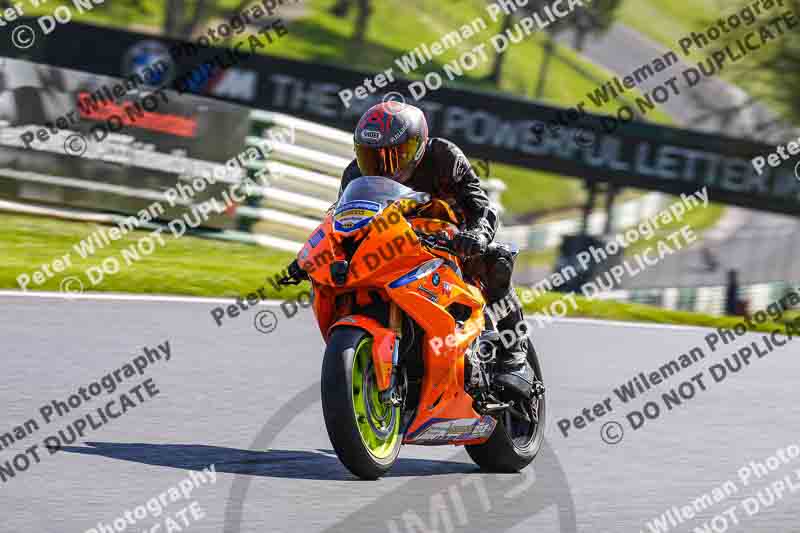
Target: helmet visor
(386,161)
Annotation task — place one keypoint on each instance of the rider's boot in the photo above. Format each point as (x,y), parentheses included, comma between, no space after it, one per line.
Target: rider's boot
(515,373)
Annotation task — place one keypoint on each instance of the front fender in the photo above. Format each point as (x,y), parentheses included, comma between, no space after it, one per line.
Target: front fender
(382,346)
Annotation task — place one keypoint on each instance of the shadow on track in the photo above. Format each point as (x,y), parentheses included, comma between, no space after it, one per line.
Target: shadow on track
(290,464)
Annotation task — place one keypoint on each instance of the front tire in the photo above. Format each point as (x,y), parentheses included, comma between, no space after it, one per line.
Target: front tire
(513,446)
(365,433)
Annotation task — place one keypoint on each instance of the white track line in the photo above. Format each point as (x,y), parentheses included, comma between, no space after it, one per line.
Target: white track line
(124,297)
(191,299)
(620,324)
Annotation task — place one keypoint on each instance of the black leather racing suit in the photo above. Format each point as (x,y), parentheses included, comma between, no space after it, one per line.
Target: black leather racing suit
(444,172)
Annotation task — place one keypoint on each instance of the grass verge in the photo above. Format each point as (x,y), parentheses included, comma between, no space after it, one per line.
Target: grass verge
(630,312)
(667,21)
(187,266)
(201,267)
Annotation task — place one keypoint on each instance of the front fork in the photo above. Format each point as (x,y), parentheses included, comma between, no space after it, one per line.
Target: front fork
(396,325)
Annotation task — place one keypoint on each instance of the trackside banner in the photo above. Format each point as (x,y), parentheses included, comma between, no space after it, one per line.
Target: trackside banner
(489,125)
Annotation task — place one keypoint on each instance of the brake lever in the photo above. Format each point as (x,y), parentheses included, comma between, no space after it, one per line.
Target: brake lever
(437,243)
(294,275)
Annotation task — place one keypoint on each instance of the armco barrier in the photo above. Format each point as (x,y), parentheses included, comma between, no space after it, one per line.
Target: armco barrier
(709,300)
(548,235)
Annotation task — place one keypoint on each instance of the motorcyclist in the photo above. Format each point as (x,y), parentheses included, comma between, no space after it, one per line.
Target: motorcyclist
(391,140)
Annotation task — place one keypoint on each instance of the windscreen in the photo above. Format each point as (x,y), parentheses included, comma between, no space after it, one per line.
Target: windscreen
(374,189)
(365,197)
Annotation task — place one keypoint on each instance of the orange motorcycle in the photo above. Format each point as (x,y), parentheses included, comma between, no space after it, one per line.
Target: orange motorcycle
(410,352)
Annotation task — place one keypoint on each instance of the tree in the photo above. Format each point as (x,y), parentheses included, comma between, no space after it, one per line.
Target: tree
(497,67)
(770,75)
(342,8)
(774,76)
(184,20)
(594,19)
(590,19)
(181,17)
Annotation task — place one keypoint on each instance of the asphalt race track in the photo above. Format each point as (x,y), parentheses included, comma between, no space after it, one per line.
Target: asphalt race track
(228,389)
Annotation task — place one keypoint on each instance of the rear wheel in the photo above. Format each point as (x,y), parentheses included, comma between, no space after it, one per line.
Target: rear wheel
(364,431)
(514,442)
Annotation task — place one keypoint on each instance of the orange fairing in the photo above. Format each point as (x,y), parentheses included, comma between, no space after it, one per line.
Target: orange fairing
(426,301)
(382,345)
(319,252)
(386,261)
(391,248)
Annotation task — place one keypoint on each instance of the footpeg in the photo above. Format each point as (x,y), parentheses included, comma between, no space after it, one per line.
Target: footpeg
(538,390)
(489,408)
(490,336)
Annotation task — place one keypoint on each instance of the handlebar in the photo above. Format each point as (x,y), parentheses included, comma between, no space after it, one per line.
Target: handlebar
(294,275)
(436,242)
(286,280)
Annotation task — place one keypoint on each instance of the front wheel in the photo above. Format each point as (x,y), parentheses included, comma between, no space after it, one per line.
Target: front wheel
(514,442)
(364,431)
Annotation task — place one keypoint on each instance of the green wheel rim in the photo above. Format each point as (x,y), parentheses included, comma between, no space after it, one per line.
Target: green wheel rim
(378,423)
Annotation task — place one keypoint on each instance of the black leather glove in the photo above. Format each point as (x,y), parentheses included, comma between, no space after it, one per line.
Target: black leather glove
(469,243)
(294,274)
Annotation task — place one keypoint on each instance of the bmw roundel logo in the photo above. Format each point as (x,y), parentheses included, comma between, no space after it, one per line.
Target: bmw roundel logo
(151,61)
(435,279)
